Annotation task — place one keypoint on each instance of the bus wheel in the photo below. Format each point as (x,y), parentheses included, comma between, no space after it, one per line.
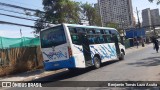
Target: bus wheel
(97,62)
(121,56)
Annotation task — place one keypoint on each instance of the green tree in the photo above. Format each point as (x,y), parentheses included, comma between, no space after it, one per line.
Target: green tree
(112,25)
(40,23)
(56,12)
(61,11)
(90,14)
(158,1)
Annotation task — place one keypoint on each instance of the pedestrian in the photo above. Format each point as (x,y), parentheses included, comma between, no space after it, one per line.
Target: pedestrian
(137,43)
(153,41)
(143,42)
(156,45)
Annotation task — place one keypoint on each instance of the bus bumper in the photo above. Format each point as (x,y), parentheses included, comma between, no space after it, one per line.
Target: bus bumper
(70,63)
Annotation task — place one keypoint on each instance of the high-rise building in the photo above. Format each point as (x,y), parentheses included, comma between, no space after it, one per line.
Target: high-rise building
(116,11)
(155,17)
(146,17)
(150,17)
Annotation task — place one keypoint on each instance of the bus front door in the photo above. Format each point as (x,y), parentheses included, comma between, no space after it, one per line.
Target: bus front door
(86,49)
(116,45)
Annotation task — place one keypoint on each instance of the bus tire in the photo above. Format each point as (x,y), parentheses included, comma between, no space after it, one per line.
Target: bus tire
(121,56)
(97,62)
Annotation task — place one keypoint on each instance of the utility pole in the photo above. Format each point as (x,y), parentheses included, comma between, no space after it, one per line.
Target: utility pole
(139,25)
(21,37)
(21,33)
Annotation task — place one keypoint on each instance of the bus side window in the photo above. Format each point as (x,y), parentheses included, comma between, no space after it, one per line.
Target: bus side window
(75,39)
(91,39)
(97,31)
(94,32)
(107,38)
(96,39)
(89,31)
(102,39)
(106,32)
(72,30)
(99,39)
(81,30)
(117,34)
(102,31)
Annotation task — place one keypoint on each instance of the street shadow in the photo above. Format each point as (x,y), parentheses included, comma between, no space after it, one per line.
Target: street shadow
(68,74)
(151,61)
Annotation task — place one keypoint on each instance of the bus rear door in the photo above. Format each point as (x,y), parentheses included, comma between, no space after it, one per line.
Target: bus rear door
(86,49)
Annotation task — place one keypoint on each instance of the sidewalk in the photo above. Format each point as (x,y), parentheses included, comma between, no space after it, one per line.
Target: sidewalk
(134,49)
(32,75)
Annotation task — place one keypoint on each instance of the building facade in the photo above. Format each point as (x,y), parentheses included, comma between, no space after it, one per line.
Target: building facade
(155,18)
(150,21)
(150,17)
(116,11)
(146,17)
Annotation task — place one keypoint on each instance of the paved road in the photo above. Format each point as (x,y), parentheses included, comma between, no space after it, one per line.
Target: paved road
(142,65)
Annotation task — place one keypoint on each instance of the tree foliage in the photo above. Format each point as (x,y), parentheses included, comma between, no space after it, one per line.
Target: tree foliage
(40,23)
(56,12)
(158,1)
(91,15)
(61,11)
(66,11)
(112,25)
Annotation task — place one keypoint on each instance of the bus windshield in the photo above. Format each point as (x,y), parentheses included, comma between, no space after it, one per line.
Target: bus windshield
(53,37)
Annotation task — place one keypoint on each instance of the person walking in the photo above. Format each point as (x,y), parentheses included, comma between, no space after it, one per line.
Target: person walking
(156,45)
(137,43)
(143,43)
(153,41)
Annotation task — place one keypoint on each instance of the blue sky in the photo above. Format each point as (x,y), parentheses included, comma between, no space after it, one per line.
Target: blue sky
(14,31)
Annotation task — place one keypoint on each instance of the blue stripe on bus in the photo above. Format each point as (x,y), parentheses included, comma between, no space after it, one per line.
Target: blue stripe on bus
(70,63)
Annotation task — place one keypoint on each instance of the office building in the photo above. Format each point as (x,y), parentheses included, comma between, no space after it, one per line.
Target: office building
(116,11)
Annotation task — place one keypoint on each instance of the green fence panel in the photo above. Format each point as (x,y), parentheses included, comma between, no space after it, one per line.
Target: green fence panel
(18,42)
(127,43)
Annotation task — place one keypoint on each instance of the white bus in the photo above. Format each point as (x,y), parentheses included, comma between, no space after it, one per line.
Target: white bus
(78,46)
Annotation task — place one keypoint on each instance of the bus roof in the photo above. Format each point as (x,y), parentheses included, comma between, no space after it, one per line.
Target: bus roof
(77,25)
(85,26)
